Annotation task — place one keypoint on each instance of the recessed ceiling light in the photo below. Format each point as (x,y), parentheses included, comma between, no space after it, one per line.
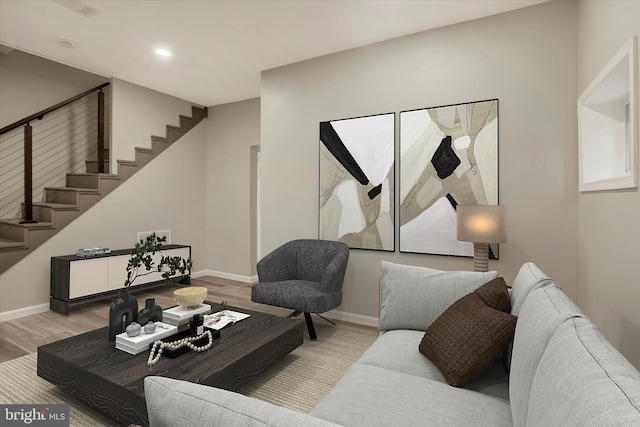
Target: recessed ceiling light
(69,44)
(163,52)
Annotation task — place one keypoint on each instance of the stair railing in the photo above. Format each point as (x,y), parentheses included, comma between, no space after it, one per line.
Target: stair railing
(27,212)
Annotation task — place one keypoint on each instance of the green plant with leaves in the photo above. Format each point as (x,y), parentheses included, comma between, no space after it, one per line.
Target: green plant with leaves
(143,254)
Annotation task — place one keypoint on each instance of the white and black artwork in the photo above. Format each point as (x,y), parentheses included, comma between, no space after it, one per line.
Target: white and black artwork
(357,181)
(448,157)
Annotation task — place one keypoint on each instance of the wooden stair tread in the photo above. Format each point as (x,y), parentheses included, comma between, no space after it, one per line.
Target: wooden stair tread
(99,175)
(31,226)
(56,206)
(11,244)
(76,189)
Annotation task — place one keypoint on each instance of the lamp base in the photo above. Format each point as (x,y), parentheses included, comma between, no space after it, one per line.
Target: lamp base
(481,257)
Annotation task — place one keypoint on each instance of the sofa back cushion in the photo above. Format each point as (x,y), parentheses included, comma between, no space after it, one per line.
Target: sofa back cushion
(543,311)
(529,277)
(583,381)
(413,297)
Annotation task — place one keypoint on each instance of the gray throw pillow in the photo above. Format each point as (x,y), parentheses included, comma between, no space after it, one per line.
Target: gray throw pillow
(413,297)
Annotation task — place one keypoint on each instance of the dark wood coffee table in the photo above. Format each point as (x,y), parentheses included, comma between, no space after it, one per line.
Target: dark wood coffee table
(90,368)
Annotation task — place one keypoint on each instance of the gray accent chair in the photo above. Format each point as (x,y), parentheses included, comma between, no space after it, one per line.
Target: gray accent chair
(303,275)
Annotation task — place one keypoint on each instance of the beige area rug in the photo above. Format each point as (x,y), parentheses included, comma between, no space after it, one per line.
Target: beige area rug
(298,382)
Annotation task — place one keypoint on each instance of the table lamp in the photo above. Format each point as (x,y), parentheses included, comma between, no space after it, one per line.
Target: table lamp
(481,224)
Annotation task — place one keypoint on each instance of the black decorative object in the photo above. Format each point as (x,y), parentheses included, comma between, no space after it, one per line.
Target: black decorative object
(122,312)
(150,313)
(196,325)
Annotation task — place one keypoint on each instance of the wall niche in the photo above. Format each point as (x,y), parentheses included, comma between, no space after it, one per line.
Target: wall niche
(608,125)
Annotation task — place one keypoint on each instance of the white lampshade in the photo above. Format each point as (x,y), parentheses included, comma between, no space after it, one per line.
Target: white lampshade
(482,223)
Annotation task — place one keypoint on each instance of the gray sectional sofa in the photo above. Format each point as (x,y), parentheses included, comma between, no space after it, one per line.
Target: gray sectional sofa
(559,370)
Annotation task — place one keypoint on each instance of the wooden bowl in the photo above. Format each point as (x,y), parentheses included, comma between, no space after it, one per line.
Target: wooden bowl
(192,296)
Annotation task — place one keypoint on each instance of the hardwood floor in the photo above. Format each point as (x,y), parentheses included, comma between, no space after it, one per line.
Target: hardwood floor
(22,336)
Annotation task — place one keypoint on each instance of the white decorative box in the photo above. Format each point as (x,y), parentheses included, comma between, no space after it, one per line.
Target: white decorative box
(142,342)
(179,316)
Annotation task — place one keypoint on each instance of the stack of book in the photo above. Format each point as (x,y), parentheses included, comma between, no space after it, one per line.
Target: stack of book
(179,315)
(143,342)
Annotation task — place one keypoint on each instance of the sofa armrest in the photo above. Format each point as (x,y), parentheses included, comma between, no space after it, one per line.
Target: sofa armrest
(413,297)
(175,403)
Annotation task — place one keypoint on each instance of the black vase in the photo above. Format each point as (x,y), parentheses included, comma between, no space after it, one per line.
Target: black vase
(150,313)
(122,312)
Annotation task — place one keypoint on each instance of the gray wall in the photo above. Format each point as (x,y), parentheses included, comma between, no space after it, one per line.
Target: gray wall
(609,222)
(136,114)
(232,129)
(526,58)
(29,84)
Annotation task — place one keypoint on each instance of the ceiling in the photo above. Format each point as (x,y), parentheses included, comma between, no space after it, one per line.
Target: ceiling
(219,46)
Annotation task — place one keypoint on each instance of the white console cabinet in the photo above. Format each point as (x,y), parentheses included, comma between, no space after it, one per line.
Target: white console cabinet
(76,279)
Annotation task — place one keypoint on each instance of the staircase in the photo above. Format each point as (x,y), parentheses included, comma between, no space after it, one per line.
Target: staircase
(62,205)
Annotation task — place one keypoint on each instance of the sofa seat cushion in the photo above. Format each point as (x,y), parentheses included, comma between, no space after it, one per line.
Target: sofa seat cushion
(583,381)
(371,396)
(470,335)
(174,403)
(413,297)
(398,351)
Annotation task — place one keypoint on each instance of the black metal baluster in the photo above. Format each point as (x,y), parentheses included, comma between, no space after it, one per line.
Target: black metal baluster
(28,176)
(101,160)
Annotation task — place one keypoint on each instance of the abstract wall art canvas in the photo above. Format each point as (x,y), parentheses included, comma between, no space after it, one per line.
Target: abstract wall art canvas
(357,181)
(448,157)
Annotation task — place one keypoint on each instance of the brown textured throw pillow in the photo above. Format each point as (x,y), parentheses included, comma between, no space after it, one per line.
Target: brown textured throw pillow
(495,294)
(470,335)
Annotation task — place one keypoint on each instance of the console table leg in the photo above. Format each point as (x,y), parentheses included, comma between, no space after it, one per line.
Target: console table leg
(59,306)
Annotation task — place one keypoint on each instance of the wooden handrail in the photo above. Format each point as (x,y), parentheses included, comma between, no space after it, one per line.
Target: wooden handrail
(41,114)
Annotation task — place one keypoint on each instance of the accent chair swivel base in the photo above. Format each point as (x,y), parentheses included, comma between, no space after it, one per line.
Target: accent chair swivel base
(310,327)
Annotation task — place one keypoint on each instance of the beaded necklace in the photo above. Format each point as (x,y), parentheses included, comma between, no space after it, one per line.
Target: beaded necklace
(188,342)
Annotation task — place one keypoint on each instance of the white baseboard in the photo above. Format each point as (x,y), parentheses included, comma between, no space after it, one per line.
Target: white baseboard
(352,317)
(22,312)
(223,275)
(41,308)
(332,314)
